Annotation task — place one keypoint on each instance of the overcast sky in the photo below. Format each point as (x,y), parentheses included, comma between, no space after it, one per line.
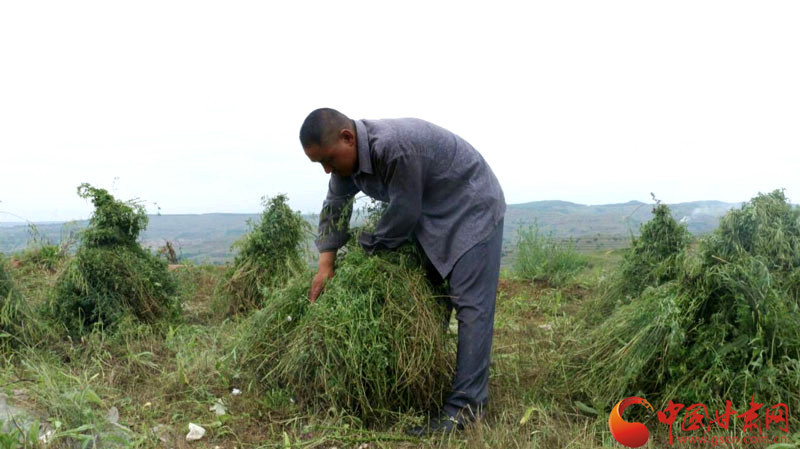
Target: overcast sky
(196,106)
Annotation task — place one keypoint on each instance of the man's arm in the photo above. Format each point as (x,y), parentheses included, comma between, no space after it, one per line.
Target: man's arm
(334,223)
(327,260)
(334,220)
(405,178)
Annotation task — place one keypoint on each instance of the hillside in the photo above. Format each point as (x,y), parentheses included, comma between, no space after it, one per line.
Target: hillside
(208,237)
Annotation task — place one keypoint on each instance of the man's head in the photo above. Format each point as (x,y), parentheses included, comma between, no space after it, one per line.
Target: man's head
(329,137)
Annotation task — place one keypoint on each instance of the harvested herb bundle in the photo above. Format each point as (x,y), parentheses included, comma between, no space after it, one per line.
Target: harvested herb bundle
(111,274)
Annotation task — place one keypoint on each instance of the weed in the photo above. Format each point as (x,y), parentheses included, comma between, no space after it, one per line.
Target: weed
(41,252)
(539,257)
(17,325)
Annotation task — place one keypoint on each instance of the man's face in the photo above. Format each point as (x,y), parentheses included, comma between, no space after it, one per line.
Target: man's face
(339,158)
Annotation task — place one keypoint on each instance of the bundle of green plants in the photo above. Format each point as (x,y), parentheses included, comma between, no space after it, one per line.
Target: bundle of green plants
(540,257)
(373,344)
(725,326)
(268,256)
(654,258)
(111,275)
(16,324)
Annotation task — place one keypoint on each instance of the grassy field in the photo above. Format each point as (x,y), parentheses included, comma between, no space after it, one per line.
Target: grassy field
(142,385)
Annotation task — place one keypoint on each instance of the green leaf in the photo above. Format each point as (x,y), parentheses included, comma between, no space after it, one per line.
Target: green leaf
(527,415)
(287,443)
(92,397)
(585,408)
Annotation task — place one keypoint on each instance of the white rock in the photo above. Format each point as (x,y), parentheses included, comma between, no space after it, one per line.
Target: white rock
(195,432)
(236,392)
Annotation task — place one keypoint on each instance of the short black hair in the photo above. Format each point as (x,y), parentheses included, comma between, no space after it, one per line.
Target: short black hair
(322,125)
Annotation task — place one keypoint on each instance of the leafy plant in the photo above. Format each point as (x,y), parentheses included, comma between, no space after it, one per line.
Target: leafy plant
(111,275)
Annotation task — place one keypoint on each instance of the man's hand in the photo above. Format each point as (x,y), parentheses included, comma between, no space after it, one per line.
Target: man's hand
(326,263)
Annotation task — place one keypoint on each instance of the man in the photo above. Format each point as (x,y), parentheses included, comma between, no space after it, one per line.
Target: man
(440,190)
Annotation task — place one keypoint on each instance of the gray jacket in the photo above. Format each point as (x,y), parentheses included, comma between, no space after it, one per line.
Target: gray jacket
(436,185)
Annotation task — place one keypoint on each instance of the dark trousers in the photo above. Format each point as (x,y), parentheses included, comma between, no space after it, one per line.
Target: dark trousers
(473,289)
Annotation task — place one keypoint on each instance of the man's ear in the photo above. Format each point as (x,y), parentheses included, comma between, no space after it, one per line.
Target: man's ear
(347,135)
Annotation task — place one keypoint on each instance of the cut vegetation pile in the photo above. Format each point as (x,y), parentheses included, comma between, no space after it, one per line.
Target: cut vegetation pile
(111,275)
(655,257)
(373,344)
(268,256)
(719,322)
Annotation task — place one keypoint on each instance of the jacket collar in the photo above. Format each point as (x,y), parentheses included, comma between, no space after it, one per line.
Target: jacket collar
(364,154)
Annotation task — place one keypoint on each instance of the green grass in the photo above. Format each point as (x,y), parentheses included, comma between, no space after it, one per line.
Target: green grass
(542,258)
(167,374)
(18,325)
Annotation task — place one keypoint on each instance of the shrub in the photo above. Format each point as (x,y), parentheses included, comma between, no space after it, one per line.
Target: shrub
(268,256)
(539,257)
(111,275)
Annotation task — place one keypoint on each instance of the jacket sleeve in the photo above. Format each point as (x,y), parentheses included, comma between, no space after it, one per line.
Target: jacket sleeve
(404,178)
(334,219)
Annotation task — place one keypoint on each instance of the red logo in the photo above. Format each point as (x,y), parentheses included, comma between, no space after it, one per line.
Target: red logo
(631,434)
(697,418)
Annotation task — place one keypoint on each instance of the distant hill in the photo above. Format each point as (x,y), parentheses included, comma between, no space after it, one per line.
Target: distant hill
(607,225)
(207,238)
(567,219)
